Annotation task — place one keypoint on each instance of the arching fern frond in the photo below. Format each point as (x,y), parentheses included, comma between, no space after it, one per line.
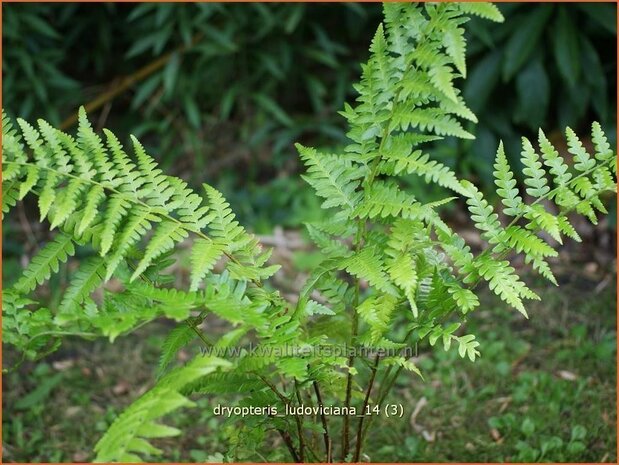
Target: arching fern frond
(128,210)
(127,440)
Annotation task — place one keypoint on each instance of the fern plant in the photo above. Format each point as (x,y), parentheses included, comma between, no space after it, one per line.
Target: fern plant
(393,274)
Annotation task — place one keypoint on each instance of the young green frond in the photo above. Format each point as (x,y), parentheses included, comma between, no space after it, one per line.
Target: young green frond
(376,312)
(204,255)
(485,10)
(402,271)
(368,265)
(127,440)
(84,282)
(178,338)
(535,175)
(46,262)
(333,177)
(507,190)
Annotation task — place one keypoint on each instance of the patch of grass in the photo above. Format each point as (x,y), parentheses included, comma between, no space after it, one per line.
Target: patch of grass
(56,409)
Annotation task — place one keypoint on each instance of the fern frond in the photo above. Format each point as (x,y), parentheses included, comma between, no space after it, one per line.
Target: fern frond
(32,138)
(227,382)
(442,76)
(176,339)
(507,190)
(482,213)
(131,179)
(432,120)
(48,194)
(367,264)
(60,155)
(167,235)
(334,178)
(10,196)
(94,198)
(408,365)
(383,200)
(32,177)
(465,299)
(46,262)
(173,303)
(118,207)
(557,166)
(85,281)
(535,175)
(603,152)
(223,223)
(399,156)
(89,142)
(135,227)
(80,163)
(583,160)
(455,44)
(485,10)
(127,439)
(376,312)
(30,331)
(98,195)
(467,346)
(329,245)
(204,255)
(505,283)
(66,203)
(156,189)
(403,273)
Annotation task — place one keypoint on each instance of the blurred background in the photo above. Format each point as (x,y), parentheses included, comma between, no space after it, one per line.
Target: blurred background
(219,93)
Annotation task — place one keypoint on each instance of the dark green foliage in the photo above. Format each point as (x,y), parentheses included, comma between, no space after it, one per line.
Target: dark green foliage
(551,66)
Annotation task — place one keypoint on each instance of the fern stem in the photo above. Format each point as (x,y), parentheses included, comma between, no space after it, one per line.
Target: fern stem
(325,425)
(349,379)
(200,334)
(288,441)
(300,456)
(353,335)
(299,421)
(360,233)
(368,392)
(382,393)
(361,229)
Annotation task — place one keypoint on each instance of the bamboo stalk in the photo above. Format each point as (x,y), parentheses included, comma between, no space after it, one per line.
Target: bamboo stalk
(127,82)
